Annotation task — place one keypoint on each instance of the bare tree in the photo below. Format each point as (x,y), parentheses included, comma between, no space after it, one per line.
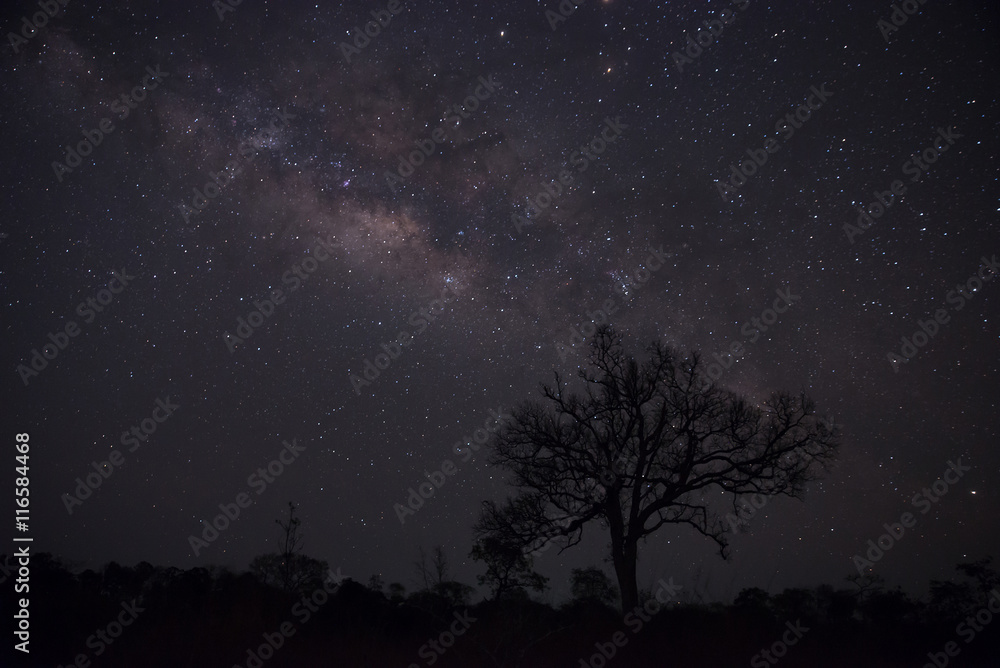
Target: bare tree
(289,569)
(982,573)
(432,576)
(644,445)
(423,571)
(291,546)
(867,585)
(439,564)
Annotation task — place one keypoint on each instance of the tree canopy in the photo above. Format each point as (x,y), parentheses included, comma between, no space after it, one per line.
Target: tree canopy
(642,444)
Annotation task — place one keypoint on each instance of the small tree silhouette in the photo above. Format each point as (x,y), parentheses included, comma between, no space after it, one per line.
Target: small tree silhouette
(289,570)
(291,545)
(397,592)
(508,568)
(423,571)
(752,600)
(591,584)
(982,572)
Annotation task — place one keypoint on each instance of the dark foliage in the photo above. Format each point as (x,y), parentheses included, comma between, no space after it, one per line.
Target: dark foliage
(212,617)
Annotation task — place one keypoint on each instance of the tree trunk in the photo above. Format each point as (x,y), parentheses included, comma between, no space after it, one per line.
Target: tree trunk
(624,556)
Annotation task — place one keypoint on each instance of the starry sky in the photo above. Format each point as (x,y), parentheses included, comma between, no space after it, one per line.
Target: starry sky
(487,277)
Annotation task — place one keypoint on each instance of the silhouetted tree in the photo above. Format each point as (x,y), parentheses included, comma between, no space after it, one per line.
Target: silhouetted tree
(795,602)
(591,584)
(436,585)
(641,447)
(297,573)
(456,593)
(981,573)
(866,585)
(423,571)
(291,545)
(835,605)
(432,574)
(949,601)
(289,570)
(397,592)
(752,600)
(116,580)
(439,565)
(508,568)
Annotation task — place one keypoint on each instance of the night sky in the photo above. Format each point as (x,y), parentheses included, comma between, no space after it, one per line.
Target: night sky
(487,261)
